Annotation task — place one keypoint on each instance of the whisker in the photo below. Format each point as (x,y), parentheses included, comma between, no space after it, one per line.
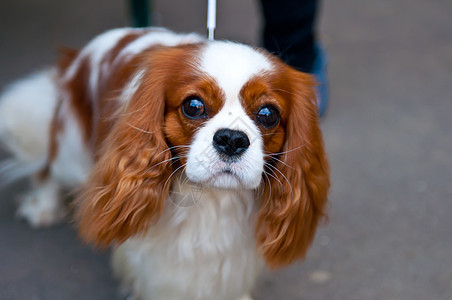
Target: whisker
(270,190)
(167,160)
(274,168)
(282,162)
(195,203)
(277,133)
(133,112)
(172,158)
(181,166)
(162,162)
(273,173)
(186,178)
(284,152)
(139,129)
(173,147)
(276,178)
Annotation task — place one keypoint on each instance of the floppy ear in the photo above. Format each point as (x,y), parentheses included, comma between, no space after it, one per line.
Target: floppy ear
(128,186)
(293,202)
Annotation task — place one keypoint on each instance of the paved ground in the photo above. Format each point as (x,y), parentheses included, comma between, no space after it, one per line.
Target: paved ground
(388,134)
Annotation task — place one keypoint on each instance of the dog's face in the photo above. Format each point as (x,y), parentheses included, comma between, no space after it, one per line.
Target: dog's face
(225,116)
(230,117)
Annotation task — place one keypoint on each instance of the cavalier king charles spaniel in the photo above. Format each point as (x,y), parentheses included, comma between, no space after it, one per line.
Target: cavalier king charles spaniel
(200,162)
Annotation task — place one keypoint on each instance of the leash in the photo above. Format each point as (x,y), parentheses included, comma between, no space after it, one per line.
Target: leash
(211,18)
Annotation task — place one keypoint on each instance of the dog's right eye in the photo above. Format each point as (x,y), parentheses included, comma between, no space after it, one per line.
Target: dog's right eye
(193,108)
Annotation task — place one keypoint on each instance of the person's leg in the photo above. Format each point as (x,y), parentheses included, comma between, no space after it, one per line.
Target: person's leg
(289,32)
(140,11)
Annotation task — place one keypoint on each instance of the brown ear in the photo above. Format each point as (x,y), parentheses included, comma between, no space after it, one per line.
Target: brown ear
(295,195)
(129,184)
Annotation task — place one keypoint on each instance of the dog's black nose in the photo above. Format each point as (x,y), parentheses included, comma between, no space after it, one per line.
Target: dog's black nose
(230,142)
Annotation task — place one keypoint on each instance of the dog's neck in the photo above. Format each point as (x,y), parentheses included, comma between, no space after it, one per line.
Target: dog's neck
(205,219)
(205,235)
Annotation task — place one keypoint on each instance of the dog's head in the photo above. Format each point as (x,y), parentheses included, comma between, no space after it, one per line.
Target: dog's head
(230,117)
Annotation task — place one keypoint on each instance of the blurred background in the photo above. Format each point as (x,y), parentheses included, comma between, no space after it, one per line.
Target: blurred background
(387,133)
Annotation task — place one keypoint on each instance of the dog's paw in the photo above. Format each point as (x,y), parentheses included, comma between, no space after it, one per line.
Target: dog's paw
(39,210)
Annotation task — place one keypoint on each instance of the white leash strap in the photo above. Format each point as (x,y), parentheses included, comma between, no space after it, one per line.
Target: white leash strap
(211,17)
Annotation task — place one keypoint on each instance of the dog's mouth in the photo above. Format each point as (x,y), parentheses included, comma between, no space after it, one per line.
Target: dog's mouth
(225,178)
(226,172)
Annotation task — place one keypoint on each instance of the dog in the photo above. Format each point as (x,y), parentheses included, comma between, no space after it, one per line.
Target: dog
(201,163)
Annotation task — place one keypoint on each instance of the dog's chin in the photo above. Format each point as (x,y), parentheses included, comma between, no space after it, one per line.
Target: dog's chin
(227,180)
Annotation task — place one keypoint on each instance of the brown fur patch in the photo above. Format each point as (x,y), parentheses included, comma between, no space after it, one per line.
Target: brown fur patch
(294,198)
(129,184)
(257,92)
(179,129)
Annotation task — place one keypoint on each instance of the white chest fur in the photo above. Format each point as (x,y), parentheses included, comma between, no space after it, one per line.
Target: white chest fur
(205,250)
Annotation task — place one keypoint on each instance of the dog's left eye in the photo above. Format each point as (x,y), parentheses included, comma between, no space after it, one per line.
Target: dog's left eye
(268,116)
(194,108)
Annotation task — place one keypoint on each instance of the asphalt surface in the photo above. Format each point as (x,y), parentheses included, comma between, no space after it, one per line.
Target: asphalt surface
(387,132)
